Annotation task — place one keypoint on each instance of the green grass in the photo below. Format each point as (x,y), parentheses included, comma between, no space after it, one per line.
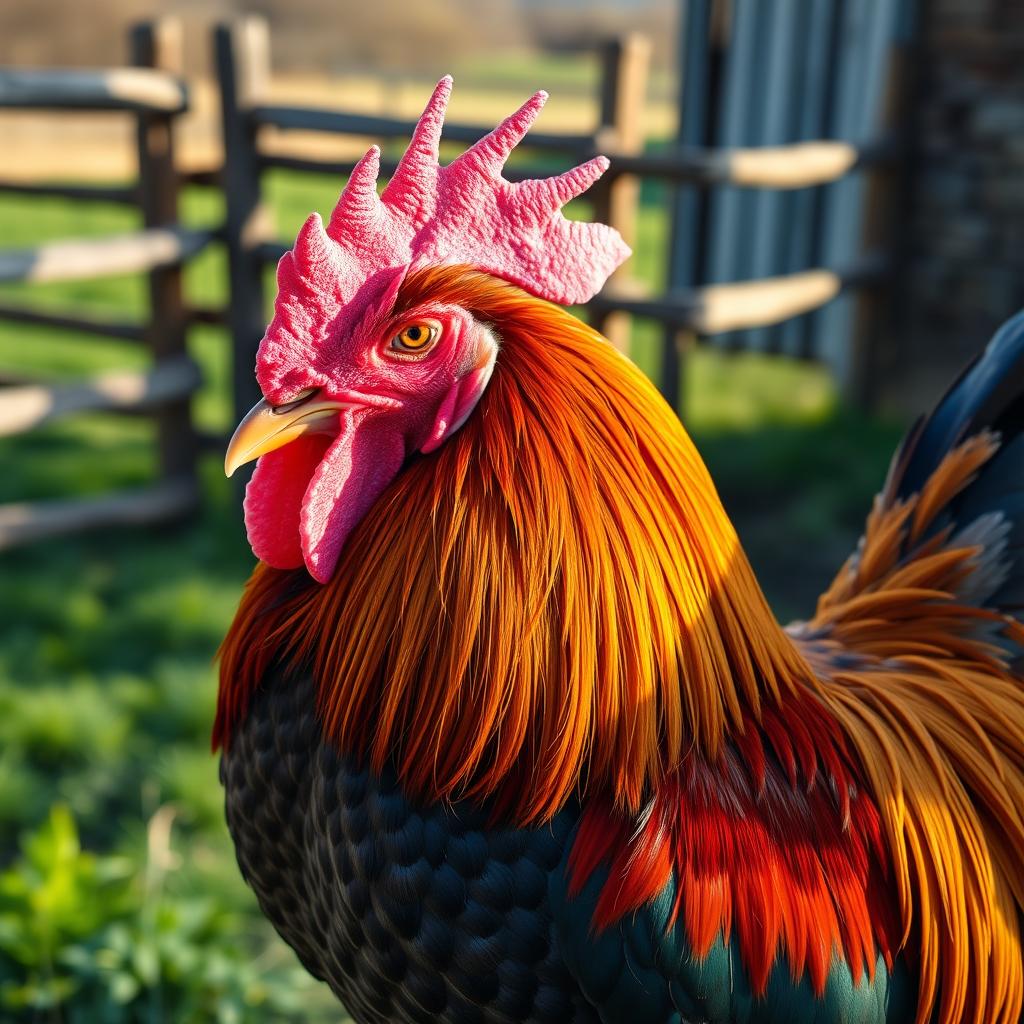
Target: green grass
(106,644)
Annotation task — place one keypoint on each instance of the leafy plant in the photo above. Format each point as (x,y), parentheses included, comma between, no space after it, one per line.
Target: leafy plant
(54,896)
(86,940)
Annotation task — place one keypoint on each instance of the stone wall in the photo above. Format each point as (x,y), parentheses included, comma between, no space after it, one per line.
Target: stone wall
(961,219)
(964,243)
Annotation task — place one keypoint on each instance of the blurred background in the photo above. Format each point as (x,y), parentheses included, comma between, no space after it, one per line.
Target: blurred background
(826,203)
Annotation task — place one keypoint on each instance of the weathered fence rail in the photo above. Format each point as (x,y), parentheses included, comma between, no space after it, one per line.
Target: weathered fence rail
(336,122)
(81,259)
(80,193)
(30,405)
(800,165)
(138,89)
(154,94)
(28,522)
(719,308)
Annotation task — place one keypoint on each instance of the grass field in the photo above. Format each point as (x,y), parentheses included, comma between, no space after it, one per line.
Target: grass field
(119,896)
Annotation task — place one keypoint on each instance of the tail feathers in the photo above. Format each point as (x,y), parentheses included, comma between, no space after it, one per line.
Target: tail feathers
(989,511)
(999,493)
(989,394)
(950,518)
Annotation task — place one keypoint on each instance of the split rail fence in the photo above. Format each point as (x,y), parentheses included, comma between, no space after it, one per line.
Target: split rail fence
(155,96)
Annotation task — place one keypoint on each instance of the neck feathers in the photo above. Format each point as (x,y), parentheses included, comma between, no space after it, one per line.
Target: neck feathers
(554,598)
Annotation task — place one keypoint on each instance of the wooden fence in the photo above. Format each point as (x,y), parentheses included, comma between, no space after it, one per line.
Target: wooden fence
(242,57)
(154,95)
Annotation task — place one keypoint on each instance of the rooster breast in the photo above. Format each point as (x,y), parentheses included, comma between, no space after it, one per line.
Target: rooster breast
(408,913)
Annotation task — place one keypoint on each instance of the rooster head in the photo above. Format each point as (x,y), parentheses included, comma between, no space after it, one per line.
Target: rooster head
(353,383)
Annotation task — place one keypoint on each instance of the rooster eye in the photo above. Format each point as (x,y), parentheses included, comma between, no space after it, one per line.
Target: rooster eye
(415,338)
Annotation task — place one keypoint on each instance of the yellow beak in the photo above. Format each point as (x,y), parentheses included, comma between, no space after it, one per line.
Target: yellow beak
(266,427)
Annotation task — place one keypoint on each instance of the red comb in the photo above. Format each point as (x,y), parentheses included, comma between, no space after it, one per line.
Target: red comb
(465,212)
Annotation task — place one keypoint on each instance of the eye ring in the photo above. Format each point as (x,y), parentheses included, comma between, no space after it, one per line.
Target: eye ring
(415,338)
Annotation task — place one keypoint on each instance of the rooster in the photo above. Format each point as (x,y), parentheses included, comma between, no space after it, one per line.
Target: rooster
(509,732)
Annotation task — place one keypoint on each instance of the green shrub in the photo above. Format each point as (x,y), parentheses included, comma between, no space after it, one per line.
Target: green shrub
(84,939)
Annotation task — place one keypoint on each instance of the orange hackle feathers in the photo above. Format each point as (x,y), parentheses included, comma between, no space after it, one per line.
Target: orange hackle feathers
(554,604)
(555,593)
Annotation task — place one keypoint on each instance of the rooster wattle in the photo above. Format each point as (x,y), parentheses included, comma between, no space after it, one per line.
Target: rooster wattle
(509,731)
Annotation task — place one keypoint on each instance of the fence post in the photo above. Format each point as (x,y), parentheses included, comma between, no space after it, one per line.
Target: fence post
(623,89)
(701,43)
(864,371)
(242,58)
(159,45)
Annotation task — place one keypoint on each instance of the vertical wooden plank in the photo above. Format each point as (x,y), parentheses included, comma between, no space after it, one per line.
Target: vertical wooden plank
(625,63)
(693,128)
(867,35)
(771,127)
(817,26)
(811,344)
(872,306)
(742,93)
(242,59)
(851,89)
(701,46)
(159,45)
